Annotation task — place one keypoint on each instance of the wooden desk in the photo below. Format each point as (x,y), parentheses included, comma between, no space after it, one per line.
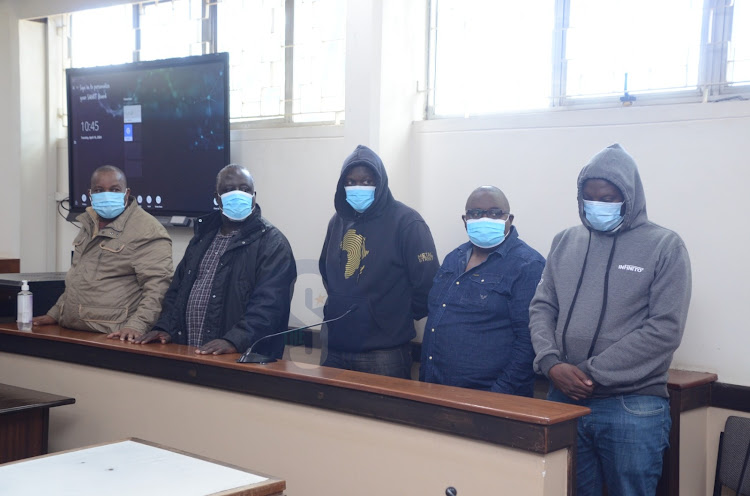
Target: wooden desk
(24,421)
(523,423)
(425,437)
(687,391)
(132,467)
(10,265)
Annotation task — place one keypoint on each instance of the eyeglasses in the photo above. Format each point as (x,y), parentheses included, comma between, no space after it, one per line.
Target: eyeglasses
(492,213)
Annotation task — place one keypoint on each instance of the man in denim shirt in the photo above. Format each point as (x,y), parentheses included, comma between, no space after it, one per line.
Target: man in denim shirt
(477,332)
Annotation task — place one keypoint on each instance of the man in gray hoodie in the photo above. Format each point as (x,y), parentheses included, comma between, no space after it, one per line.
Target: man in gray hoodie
(605,321)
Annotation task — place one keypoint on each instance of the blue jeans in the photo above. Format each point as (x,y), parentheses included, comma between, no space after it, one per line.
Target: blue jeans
(393,362)
(620,443)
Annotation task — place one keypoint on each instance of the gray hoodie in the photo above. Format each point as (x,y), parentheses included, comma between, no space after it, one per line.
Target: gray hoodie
(632,284)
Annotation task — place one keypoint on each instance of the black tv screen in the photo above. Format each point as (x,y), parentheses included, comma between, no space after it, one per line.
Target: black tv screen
(165,123)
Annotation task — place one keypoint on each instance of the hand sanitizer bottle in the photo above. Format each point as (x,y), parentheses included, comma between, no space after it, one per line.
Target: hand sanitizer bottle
(25,306)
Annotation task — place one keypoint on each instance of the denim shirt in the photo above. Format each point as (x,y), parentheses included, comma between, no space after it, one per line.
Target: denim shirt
(477,332)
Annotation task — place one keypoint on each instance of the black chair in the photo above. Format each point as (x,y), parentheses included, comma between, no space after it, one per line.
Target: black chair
(734,457)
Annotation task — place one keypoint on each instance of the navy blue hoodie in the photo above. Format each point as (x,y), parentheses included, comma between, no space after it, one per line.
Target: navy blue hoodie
(383,260)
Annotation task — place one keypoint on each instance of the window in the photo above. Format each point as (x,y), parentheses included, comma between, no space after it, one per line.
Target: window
(608,41)
(253,32)
(489,57)
(319,51)
(102,36)
(471,76)
(286,56)
(738,62)
(169,29)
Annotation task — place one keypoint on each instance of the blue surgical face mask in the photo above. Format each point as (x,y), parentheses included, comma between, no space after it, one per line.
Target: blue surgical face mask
(237,205)
(603,216)
(360,197)
(108,204)
(485,232)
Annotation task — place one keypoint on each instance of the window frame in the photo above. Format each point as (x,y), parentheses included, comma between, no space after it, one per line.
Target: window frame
(209,43)
(712,85)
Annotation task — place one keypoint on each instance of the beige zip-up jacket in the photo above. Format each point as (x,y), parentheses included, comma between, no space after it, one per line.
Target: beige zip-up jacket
(119,274)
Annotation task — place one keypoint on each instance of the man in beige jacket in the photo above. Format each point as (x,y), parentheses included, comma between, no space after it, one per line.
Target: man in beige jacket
(122,265)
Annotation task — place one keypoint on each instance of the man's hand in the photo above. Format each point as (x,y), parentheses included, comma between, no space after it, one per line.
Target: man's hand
(571,381)
(152,336)
(125,334)
(43,320)
(217,347)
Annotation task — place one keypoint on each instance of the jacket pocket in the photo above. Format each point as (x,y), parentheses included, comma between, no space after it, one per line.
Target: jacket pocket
(113,246)
(481,289)
(78,247)
(102,315)
(351,332)
(112,262)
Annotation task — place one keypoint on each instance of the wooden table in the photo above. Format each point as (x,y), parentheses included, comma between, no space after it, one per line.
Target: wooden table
(132,466)
(24,421)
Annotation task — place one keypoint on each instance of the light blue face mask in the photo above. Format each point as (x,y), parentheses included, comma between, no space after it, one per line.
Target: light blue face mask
(360,197)
(108,204)
(603,216)
(237,205)
(485,232)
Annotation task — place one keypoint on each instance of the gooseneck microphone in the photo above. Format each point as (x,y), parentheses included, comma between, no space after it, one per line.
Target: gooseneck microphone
(250,357)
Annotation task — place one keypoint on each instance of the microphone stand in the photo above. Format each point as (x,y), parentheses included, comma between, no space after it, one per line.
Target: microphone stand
(250,357)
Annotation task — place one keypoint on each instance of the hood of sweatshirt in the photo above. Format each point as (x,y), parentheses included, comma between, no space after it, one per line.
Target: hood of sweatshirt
(615,165)
(363,156)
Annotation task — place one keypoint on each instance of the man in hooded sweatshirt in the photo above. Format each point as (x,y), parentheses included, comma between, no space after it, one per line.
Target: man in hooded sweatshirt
(605,321)
(377,264)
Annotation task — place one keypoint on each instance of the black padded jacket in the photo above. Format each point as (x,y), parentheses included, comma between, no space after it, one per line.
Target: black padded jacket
(252,288)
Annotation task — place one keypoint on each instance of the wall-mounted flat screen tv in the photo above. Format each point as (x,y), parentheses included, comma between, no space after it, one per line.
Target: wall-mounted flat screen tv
(165,123)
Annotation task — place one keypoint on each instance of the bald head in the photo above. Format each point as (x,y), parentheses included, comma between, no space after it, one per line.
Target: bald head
(489,202)
(234,177)
(112,174)
(487,197)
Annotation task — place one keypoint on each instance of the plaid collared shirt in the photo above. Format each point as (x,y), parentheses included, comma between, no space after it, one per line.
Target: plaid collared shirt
(200,295)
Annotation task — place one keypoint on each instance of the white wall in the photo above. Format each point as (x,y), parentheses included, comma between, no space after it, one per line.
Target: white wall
(29,9)
(36,175)
(10,192)
(693,160)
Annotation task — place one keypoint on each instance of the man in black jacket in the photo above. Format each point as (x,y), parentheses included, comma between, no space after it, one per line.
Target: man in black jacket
(378,261)
(234,285)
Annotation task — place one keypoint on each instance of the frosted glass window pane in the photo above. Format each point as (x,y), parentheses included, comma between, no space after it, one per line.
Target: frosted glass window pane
(657,43)
(738,63)
(171,29)
(493,56)
(252,32)
(102,36)
(319,58)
